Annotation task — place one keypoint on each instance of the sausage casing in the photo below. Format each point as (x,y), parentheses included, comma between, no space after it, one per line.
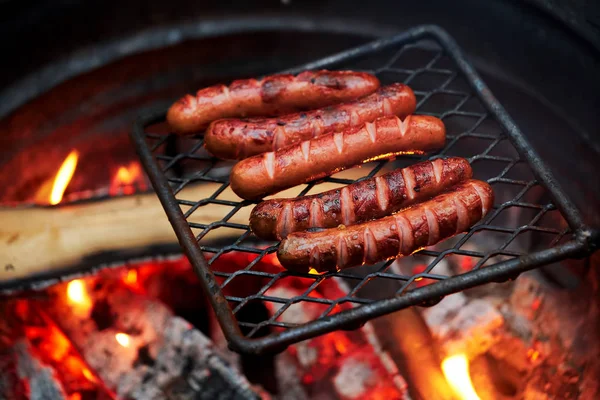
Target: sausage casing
(241,138)
(421,225)
(273,95)
(361,201)
(268,173)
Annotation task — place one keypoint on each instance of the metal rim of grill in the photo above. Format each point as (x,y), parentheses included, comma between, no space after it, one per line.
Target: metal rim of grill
(392,60)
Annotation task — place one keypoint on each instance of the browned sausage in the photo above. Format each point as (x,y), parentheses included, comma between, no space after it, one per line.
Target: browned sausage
(241,138)
(268,173)
(368,199)
(421,225)
(273,95)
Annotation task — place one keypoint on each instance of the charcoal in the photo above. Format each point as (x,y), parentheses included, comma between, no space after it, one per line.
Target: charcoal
(187,367)
(40,378)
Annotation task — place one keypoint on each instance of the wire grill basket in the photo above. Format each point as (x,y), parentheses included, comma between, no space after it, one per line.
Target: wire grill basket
(533,223)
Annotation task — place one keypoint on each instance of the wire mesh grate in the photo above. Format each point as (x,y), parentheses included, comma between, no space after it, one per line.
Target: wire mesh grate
(525,228)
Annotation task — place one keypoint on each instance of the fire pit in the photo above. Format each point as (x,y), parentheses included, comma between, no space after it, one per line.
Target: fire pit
(127,317)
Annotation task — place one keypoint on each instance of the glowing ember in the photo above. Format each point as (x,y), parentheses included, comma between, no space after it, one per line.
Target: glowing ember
(126,178)
(78,296)
(63,177)
(123,339)
(533,355)
(131,277)
(456,371)
(88,374)
(313,271)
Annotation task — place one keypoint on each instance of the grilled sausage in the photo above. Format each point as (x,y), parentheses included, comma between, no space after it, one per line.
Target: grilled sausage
(273,95)
(398,235)
(268,173)
(368,199)
(241,138)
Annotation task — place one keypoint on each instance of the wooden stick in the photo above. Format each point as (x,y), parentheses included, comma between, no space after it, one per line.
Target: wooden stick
(41,239)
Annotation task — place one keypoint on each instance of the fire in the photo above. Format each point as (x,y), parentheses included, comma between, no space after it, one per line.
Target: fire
(313,271)
(456,371)
(123,339)
(126,177)
(63,177)
(88,374)
(78,296)
(533,355)
(131,277)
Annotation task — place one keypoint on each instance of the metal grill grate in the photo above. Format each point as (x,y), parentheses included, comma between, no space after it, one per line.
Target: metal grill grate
(532,222)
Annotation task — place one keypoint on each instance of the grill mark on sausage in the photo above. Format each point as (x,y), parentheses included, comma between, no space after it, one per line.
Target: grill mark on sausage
(305,147)
(406,231)
(341,251)
(269,162)
(188,102)
(315,213)
(226,92)
(338,140)
(316,129)
(370,127)
(278,138)
(403,125)
(432,223)
(438,166)
(387,107)
(409,183)
(396,227)
(370,246)
(481,195)
(346,206)
(462,215)
(382,191)
(286,220)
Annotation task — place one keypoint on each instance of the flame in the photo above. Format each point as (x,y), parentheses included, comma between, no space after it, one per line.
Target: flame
(88,375)
(456,371)
(63,177)
(131,277)
(533,355)
(78,296)
(126,177)
(123,339)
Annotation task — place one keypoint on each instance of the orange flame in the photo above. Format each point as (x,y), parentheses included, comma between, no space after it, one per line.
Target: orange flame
(456,371)
(123,339)
(533,355)
(63,177)
(131,277)
(126,177)
(78,296)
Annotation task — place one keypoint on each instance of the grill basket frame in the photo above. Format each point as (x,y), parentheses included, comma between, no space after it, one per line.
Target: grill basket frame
(580,238)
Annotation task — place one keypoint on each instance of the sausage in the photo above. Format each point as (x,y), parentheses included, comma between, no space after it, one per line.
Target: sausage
(421,225)
(241,138)
(268,173)
(361,201)
(273,95)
